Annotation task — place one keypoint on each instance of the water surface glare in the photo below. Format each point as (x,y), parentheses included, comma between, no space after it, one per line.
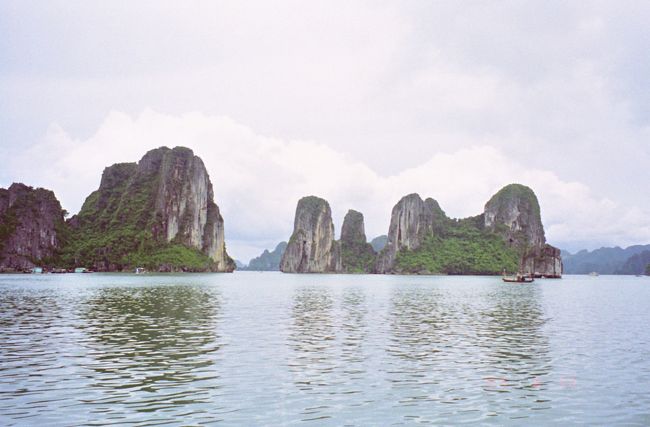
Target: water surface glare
(266,348)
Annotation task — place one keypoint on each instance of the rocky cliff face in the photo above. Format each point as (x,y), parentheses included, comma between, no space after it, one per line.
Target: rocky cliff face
(544,260)
(507,235)
(154,208)
(31,224)
(411,221)
(312,248)
(514,213)
(357,255)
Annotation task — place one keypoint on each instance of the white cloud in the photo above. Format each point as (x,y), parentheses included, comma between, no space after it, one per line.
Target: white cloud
(258,180)
(442,98)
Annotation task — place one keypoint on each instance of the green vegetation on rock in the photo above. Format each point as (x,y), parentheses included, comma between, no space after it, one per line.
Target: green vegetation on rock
(461,248)
(357,257)
(148,215)
(515,194)
(32,226)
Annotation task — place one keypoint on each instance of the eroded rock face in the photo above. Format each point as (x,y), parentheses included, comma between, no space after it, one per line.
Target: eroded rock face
(411,221)
(353,229)
(545,261)
(168,194)
(185,202)
(312,248)
(514,213)
(31,221)
(357,255)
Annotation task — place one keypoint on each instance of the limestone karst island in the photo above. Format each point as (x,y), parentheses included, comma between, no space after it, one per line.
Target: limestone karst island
(422,239)
(159,214)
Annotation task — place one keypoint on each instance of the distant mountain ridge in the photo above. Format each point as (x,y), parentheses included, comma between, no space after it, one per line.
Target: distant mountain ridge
(602,261)
(267,261)
(636,264)
(379,242)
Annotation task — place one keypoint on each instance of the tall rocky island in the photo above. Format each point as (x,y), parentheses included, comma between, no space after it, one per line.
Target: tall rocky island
(357,255)
(422,239)
(32,226)
(312,248)
(514,214)
(508,235)
(158,213)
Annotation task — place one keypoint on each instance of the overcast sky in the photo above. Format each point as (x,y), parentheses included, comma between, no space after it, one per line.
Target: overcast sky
(357,102)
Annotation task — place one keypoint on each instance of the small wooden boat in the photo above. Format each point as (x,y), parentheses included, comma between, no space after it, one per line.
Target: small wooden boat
(519,278)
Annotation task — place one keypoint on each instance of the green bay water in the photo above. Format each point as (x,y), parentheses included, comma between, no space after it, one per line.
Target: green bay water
(272,349)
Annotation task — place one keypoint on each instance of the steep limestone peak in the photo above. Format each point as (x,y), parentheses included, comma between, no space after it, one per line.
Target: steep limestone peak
(164,199)
(31,224)
(353,229)
(117,175)
(514,213)
(357,255)
(412,220)
(311,248)
(515,209)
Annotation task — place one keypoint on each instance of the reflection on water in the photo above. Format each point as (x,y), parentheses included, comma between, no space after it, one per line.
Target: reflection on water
(311,336)
(321,350)
(467,351)
(515,347)
(153,342)
(516,360)
(354,330)
(430,334)
(113,350)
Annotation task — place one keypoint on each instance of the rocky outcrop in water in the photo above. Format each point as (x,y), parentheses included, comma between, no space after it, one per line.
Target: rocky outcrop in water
(312,248)
(514,213)
(357,255)
(411,221)
(508,235)
(158,212)
(545,260)
(31,226)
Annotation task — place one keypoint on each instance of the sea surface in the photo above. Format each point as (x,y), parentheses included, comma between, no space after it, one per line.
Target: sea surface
(270,349)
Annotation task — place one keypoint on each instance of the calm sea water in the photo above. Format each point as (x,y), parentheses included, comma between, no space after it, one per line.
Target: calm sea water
(266,348)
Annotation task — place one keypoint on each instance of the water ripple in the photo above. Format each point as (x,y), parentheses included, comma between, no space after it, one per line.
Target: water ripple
(253,349)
